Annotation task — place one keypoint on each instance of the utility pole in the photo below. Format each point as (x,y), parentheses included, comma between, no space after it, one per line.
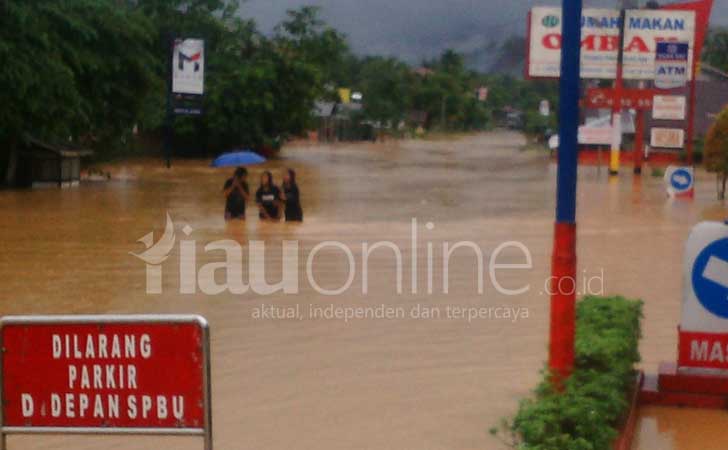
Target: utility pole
(443,105)
(563,262)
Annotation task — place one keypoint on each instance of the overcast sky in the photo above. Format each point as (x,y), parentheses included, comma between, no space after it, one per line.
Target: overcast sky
(413,29)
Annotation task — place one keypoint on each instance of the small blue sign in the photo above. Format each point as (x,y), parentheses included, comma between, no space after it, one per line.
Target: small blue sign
(681,180)
(672,51)
(710,278)
(671,64)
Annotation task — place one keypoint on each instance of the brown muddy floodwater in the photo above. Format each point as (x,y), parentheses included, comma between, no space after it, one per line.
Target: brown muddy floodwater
(317,382)
(676,428)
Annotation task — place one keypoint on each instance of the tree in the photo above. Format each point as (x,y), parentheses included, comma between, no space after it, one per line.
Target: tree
(90,71)
(305,37)
(77,68)
(385,84)
(256,96)
(715,154)
(716,49)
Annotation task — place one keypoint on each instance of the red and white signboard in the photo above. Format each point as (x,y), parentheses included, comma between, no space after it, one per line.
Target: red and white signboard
(106,374)
(600,41)
(667,138)
(669,107)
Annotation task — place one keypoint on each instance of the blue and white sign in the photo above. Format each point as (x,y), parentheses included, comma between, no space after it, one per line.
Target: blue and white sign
(705,278)
(679,180)
(671,64)
(710,277)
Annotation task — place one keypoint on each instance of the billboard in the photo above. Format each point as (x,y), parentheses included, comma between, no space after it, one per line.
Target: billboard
(188,66)
(600,41)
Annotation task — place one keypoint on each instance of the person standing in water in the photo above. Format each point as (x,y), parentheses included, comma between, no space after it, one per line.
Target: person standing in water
(292,197)
(236,194)
(268,198)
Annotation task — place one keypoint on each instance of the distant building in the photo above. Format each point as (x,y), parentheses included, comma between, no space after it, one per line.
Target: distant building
(324,114)
(417,118)
(43,164)
(423,71)
(350,125)
(711,97)
(341,122)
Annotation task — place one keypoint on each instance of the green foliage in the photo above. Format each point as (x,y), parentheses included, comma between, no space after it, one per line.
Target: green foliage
(536,124)
(91,71)
(386,86)
(253,100)
(715,151)
(716,145)
(595,398)
(716,49)
(305,37)
(448,95)
(77,68)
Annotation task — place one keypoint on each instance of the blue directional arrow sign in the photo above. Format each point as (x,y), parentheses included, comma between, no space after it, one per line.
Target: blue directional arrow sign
(710,278)
(681,180)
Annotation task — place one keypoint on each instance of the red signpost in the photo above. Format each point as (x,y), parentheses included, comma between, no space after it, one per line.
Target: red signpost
(639,99)
(105,375)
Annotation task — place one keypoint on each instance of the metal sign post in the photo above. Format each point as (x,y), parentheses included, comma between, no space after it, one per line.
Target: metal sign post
(186,85)
(105,375)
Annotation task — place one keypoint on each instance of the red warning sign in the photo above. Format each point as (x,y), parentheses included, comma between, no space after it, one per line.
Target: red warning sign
(105,372)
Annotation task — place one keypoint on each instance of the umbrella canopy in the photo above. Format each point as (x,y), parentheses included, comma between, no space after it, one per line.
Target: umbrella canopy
(238,158)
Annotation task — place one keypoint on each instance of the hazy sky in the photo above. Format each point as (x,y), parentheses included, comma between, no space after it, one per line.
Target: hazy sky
(413,29)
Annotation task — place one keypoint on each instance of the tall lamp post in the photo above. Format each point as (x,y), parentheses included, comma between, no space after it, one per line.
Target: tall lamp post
(563,264)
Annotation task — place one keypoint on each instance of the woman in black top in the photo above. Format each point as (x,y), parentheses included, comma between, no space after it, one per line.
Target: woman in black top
(292,197)
(236,194)
(268,198)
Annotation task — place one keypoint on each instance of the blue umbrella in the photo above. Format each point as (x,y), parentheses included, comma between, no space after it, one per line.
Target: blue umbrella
(239,158)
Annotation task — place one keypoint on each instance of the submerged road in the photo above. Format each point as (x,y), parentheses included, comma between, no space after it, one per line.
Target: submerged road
(432,367)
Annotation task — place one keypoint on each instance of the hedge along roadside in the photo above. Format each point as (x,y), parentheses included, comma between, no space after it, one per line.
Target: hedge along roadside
(586,415)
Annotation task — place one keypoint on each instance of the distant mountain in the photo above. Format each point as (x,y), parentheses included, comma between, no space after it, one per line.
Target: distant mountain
(506,57)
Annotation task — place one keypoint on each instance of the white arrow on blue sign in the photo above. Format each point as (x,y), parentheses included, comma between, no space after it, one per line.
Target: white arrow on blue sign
(681,180)
(710,278)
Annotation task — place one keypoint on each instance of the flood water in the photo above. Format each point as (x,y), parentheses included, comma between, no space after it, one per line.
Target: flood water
(316,382)
(679,428)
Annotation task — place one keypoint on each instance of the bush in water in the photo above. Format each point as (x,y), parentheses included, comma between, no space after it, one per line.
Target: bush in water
(586,414)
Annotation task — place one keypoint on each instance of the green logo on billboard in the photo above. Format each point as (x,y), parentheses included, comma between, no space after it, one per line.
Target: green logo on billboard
(550,21)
